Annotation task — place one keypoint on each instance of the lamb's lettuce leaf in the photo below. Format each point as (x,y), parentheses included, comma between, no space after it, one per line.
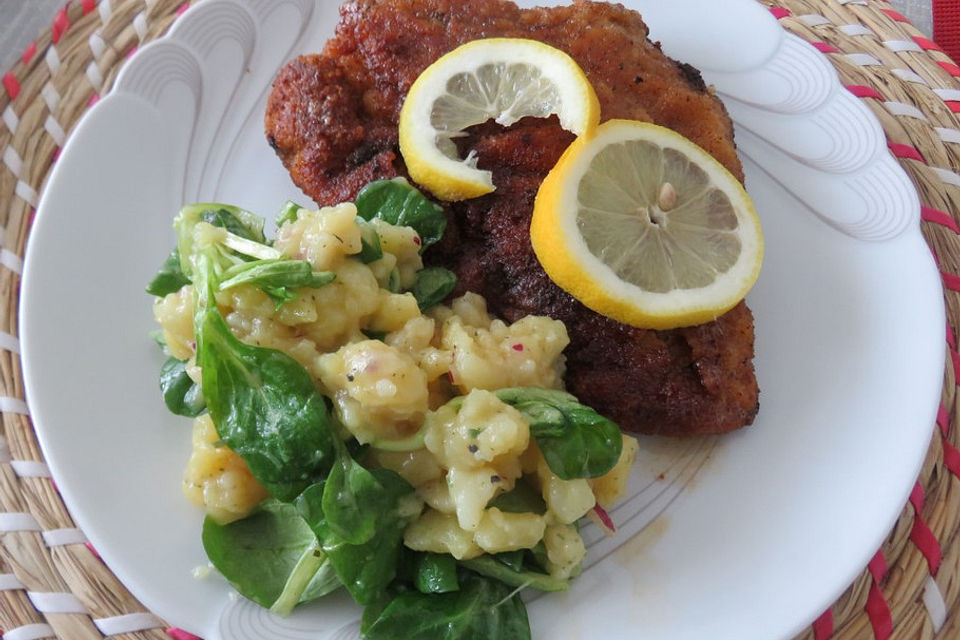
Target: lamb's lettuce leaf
(397,202)
(271,557)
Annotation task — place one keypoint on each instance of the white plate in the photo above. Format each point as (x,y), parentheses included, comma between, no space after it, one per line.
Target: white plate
(748,536)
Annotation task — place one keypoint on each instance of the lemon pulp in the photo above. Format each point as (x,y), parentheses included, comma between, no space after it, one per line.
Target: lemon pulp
(500,79)
(644,226)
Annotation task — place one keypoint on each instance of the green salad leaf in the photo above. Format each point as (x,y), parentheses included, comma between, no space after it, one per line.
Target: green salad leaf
(435,573)
(276,277)
(397,202)
(521,499)
(182,395)
(432,285)
(244,239)
(170,278)
(263,402)
(370,249)
(513,559)
(271,557)
(289,212)
(393,281)
(237,221)
(275,273)
(509,573)
(480,610)
(366,569)
(575,440)
(353,499)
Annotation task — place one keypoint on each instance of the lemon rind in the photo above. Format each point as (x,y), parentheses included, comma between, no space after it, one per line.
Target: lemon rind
(451,179)
(555,236)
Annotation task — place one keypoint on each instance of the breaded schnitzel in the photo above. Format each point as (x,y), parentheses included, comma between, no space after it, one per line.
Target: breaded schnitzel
(332,118)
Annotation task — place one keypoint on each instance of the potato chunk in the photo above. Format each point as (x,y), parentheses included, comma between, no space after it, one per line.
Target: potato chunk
(323,238)
(440,533)
(567,500)
(218,479)
(482,431)
(379,391)
(565,550)
(500,531)
(611,485)
(494,355)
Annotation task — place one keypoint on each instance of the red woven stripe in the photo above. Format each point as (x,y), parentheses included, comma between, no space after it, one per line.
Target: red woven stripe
(955,357)
(928,544)
(183,7)
(180,634)
(921,534)
(878,566)
(779,12)
(916,497)
(11,84)
(943,420)
(862,91)
(950,281)
(905,151)
(951,458)
(926,43)
(929,214)
(950,68)
(823,626)
(895,15)
(93,550)
(825,47)
(879,613)
(953,105)
(29,52)
(952,348)
(60,25)
(88,6)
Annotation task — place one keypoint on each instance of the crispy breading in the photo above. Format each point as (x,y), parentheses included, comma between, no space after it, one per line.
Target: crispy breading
(332,118)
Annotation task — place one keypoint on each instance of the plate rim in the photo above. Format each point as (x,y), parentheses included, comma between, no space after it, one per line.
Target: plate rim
(29,375)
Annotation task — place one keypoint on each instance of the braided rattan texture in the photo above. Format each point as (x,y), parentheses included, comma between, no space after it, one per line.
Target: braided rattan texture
(54,579)
(53,585)
(912,581)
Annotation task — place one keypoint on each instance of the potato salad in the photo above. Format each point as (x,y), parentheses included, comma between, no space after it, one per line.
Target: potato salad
(355,428)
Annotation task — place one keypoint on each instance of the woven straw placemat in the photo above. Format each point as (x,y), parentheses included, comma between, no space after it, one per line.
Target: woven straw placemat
(52,584)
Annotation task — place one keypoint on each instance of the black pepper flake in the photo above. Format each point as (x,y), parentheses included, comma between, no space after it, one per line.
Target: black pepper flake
(349,377)
(637,79)
(494,479)
(473,448)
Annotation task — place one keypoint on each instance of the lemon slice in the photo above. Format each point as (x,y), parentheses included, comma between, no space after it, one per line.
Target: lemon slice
(503,79)
(642,225)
